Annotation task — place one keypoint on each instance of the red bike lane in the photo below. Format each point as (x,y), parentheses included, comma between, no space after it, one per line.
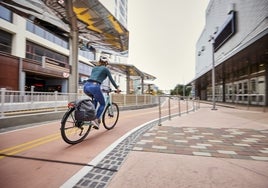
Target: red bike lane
(38,157)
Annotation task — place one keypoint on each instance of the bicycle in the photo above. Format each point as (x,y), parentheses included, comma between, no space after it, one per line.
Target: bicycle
(74,132)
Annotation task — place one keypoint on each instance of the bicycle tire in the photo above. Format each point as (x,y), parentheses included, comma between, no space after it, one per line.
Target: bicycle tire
(73,132)
(110,117)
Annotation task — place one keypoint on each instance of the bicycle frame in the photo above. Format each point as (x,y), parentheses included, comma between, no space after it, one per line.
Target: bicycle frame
(73,131)
(108,101)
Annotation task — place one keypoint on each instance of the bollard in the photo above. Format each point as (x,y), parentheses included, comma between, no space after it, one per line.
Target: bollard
(187,111)
(159,103)
(179,103)
(169,112)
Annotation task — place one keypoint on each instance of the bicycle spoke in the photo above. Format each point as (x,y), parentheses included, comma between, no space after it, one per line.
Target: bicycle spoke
(110,116)
(73,132)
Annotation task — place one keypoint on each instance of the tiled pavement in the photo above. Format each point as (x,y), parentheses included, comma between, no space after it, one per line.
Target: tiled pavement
(212,142)
(214,137)
(100,174)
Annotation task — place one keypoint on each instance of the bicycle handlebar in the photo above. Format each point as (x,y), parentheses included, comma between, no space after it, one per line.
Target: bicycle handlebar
(109,90)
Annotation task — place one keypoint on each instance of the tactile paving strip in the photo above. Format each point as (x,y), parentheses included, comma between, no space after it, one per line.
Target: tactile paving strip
(101,174)
(212,142)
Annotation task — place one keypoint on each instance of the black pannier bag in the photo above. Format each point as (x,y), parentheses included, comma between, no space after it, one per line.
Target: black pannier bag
(84,110)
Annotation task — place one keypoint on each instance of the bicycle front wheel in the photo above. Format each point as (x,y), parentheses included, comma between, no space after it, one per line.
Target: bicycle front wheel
(110,116)
(73,132)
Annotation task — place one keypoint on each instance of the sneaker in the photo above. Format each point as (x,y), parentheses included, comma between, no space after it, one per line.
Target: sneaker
(96,124)
(99,121)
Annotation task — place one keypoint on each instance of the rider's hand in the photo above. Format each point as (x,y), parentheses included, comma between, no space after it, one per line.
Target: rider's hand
(118,90)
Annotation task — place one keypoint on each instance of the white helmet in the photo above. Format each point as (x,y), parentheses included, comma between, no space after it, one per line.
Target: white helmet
(104,59)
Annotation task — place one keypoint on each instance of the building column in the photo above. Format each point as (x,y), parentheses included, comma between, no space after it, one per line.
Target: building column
(128,81)
(19,39)
(266,84)
(73,58)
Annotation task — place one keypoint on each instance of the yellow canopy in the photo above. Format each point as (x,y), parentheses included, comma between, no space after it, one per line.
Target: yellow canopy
(95,23)
(131,70)
(98,25)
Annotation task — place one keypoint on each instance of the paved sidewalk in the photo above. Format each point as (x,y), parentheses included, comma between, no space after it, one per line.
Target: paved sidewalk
(220,148)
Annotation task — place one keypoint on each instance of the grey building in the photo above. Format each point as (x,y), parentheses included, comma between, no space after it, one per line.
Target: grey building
(233,46)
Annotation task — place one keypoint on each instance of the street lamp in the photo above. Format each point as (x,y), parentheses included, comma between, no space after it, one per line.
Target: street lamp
(211,39)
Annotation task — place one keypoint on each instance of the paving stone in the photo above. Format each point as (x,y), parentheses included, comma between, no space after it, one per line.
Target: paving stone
(248,144)
(159,147)
(202,154)
(103,172)
(233,143)
(259,158)
(227,152)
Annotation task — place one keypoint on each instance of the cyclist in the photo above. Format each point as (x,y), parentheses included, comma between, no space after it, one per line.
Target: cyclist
(93,86)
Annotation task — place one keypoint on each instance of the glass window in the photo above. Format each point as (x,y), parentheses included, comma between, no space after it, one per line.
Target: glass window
(5,14)
(261,85)
(245,88)
(36,52)
(30,26)
(39,31)
(47,35)
(253,86)
(5,42)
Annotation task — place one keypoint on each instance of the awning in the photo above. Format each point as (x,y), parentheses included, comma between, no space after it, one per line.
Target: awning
(131,70)
(95,22)
(32,9)
(106,28)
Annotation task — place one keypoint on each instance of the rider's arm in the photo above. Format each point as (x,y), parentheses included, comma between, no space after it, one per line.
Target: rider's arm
(111,79)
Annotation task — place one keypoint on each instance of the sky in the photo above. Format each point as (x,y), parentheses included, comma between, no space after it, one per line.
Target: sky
(163,36)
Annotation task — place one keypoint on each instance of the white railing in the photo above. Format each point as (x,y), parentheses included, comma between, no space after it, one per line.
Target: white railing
(12,101)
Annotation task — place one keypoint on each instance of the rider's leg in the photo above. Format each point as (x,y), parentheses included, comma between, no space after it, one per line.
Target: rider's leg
(95,90)
(100,99)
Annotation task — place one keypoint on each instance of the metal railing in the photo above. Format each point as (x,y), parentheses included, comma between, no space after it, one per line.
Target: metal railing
(14,101)
(190,104)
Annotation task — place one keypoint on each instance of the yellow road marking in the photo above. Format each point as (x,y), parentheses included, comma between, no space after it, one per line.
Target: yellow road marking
(28,145)
(37,142)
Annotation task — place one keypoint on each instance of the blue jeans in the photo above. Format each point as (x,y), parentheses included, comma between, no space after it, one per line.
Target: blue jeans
(94,89)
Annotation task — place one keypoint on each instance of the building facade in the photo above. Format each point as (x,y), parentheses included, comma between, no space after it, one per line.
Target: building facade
(36,56)
(233,45)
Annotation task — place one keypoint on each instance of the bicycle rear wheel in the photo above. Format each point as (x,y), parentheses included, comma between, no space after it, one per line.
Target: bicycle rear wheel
(110,116)
(73,132)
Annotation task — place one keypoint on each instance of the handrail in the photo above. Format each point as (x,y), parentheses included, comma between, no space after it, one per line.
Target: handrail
(14,101)
(195,106)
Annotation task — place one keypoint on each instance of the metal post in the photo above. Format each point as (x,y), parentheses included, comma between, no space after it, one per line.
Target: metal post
(193,104)
(179,103)
(32,96)
(187,105)
(56,99)
(3,93)
(169,112)
(159,104)
(213,76)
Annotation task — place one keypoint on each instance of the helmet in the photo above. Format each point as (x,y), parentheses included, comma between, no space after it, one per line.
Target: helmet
(104,60)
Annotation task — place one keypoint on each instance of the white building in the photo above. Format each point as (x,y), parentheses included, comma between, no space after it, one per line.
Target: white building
(35,45)
(36,53)
(239,30)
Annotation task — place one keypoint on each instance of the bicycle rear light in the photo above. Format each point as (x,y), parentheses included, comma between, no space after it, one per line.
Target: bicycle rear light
(70,104)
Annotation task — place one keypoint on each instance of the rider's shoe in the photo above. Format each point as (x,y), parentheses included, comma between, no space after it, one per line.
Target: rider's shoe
(96,124)
(99,121)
